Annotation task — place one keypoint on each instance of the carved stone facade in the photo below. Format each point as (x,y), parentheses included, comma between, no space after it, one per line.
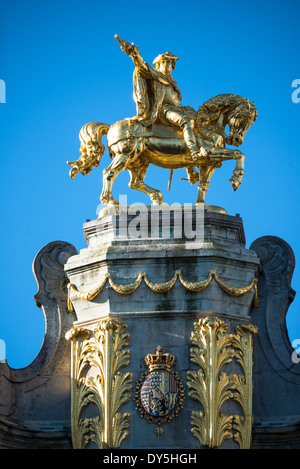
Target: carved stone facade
(276,376)
(35,401)
(219,309)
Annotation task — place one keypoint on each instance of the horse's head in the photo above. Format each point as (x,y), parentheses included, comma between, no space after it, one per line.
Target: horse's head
(240,120)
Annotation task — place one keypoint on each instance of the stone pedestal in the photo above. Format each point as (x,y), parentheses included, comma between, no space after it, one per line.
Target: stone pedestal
(131,291)
(164,332)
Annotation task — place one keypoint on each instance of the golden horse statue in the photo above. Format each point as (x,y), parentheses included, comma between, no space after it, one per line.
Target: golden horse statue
(133,146)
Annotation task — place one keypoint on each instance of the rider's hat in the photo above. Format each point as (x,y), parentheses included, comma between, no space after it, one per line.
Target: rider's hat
(166,55)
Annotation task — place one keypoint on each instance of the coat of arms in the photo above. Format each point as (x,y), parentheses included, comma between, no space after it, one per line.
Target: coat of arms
(159,392)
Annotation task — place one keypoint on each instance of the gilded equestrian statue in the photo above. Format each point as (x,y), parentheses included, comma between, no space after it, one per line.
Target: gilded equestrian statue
(165,133)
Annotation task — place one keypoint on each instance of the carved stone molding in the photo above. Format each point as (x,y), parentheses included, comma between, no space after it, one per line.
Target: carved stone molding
(98,382)
(277,263)
(48,269)
(34,400)
(210,385)
(276,373)
(161,287)
(51,298)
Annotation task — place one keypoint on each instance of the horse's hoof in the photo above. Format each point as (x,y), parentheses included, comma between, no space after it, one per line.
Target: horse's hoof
(193,176)
(113,203)
(108,201)
(235,184)
(157,202)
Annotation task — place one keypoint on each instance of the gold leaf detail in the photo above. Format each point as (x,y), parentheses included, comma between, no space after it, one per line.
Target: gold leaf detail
(160,287)
(108,390)
(212,387)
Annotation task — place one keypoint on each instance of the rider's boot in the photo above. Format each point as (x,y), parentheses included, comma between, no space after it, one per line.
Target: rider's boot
(191,141)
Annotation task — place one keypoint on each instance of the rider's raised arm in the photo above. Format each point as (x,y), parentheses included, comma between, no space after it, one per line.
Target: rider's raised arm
(133,51)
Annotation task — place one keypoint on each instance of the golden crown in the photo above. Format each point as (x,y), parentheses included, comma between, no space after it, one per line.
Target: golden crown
(159,360)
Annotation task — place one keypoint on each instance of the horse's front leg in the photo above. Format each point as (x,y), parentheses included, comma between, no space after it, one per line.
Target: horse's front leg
(238,172)
(118,164)
(223,154)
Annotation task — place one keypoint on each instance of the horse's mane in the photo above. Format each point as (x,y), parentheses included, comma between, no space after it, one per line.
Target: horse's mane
(210,110)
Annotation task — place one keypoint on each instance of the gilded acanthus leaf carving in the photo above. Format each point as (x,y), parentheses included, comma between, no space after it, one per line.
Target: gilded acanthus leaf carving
(210,385)
(243,343)
(107,388)
(211,352)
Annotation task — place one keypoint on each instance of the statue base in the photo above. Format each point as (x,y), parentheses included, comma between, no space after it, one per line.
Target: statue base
(117,209)
(151,278)
(170,332)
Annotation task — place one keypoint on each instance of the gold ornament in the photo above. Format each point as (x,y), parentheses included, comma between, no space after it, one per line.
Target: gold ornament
(107,388)
(165,133)
(161,287)
(212,386)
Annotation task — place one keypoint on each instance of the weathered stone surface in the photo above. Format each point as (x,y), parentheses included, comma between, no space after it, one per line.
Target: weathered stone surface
(222,249)
(164,319)
(276,375)
(35,401)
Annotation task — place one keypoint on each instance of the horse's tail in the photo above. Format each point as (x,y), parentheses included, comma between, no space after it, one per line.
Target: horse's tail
(91,148)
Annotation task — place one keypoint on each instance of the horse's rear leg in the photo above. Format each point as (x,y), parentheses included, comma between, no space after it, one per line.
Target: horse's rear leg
(206,173)
(193,175)
(137,182)
(117,165)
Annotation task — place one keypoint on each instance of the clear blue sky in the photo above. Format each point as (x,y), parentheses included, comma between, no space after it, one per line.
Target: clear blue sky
(63,68)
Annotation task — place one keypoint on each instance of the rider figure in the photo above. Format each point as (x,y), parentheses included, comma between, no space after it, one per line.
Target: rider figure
(156,95)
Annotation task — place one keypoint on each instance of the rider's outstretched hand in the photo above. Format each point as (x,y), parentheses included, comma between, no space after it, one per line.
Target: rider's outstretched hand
(128,47)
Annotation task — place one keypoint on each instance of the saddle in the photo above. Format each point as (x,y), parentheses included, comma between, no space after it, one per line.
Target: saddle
(131,128)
